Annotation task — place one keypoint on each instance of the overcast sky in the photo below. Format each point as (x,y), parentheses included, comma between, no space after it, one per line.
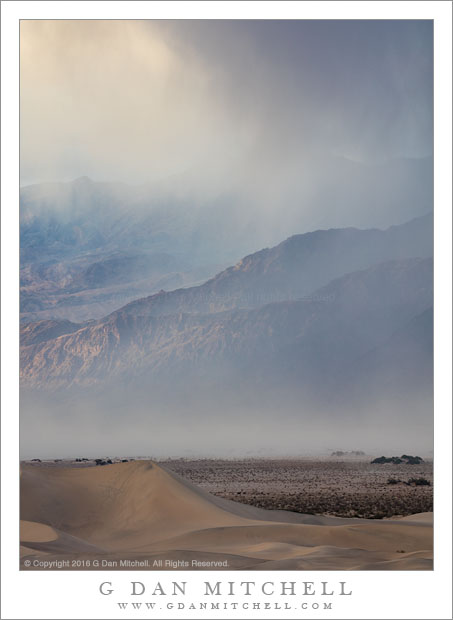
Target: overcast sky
(214,103)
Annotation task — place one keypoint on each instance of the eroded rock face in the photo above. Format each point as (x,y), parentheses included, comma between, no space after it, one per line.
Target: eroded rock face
(298,340)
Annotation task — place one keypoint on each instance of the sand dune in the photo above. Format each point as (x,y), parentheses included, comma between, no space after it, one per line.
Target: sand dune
(36,532)
(138,510)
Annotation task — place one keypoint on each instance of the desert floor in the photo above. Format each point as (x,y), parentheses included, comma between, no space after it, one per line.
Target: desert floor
(342,487)
(78,517)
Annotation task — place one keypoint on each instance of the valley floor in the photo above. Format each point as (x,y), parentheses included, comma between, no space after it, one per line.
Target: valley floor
(350,487)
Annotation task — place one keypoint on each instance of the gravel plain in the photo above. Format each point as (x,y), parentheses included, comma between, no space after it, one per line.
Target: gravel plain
(329,486)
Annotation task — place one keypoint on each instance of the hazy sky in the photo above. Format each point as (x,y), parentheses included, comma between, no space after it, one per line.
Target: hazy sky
(214,103)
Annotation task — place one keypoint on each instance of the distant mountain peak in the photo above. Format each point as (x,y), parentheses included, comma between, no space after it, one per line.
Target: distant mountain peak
(83,181)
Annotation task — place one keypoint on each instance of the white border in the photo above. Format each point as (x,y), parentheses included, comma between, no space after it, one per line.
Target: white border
(376,595)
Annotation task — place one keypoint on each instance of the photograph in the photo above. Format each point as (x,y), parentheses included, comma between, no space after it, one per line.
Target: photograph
(226,295)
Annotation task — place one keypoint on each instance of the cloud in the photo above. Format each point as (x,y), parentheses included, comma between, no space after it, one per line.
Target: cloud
(145,100)
(111,100)
(276,115)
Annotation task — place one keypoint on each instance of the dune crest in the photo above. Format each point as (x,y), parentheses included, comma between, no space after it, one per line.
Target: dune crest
(139,510)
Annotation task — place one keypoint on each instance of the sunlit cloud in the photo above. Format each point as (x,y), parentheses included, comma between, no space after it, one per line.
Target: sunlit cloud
(218,102)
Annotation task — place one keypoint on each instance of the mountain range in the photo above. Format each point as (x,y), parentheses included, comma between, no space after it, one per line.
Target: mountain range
(88,248)
(327,329)
(299,315)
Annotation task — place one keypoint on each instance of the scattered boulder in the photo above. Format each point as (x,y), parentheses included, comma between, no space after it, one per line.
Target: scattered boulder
(412,460)
(105,461)
(396,460)
(418,482)
(380,460)
(351,453)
